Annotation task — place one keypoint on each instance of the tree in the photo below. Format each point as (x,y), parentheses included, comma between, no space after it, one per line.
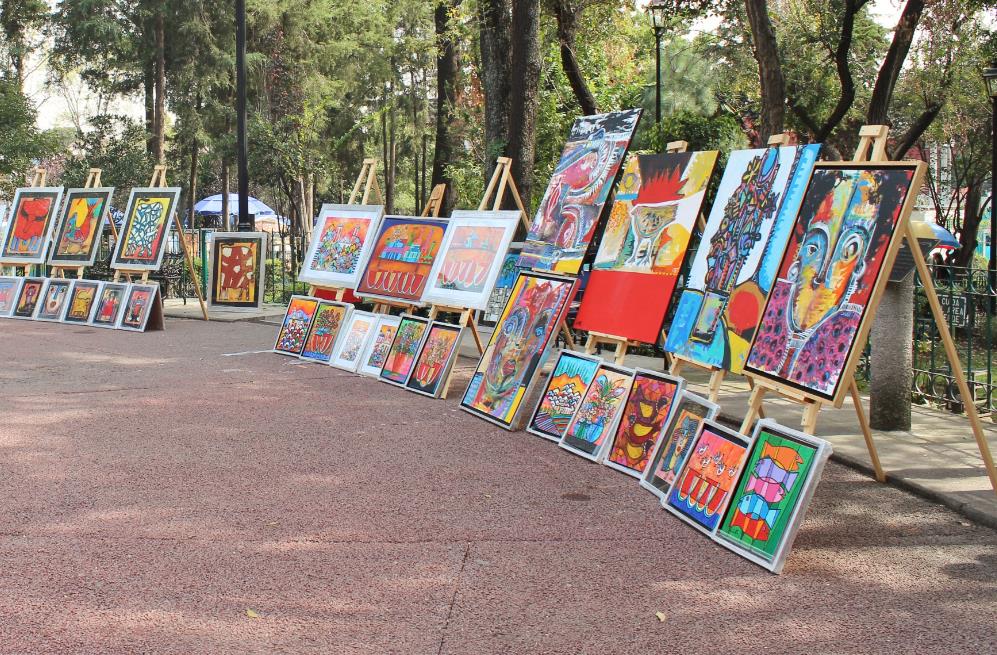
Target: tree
(773,85)
(21,143)
(447,69)
(20,21)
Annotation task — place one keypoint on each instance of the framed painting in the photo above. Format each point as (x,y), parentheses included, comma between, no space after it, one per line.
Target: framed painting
(471,258)
(595,420)
(571,376)
(55,294)
(705,482)
(644,245)
(10,287)
(341,242)
(110,303)
(503,286)
(372,359)
(326,327)
(139,304)
(294,328)
(29,225)
(350,347)
(400,360)
(772,496)
(402,257)
(734,268)
(834,271)
(237,270)
(577,193)
(78,231)
(436,359)
(145,229)
(649,404)
(28,297)
(519,344)
(82,300)
(676,437)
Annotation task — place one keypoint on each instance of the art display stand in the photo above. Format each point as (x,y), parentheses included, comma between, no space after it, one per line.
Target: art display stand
(435,202)
(92,181)
(37,180)
(872,148)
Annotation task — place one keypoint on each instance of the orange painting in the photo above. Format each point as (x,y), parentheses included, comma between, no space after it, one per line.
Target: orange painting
(402,258)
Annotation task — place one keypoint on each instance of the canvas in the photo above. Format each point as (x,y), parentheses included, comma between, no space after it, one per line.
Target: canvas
(341,242)
(146,228)
(649,404)
(140,302)
(400,361)
(82,300)
(826,292)
(772,496)
(471,258)
(503,286)
(10,288)
(529,323)
(109,305)
(570,377)
(402,258)
(325,328)
(55,294)
(237,269)
(644,245)
(597,415)
(78,231)
(676,437)
(372,359)
(706,481)
(29,225)
(294,328)
(351,345)
(436,358)
(28,297)
(734,268)
(579,188)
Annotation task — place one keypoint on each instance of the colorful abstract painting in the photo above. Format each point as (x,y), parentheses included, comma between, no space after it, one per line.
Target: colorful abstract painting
(77,236)
(706,481)
(55,293)
(82,297)
(9,287)
(145,229)
(676,438)
(404,349)
(503,286)
(341,242)
(831,270)
(529,323)
(436,358)
(139,304)
(29,228)
(595,420)
(649,404)
(579,188)
(644,244)
(376,352)
(352,344)
(569,379)
(294,328)
(237,269)
(29,297)
(402,258)
(325,328)
(734,268)
(109,305)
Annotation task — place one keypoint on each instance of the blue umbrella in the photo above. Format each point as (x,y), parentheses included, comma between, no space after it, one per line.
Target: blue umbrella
(213,205)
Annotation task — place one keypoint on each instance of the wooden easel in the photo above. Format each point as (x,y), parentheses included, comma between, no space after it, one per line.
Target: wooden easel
(435,202)
(92,181)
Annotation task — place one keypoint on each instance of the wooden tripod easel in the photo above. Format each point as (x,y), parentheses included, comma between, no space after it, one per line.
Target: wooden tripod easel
(435,202)
(92,181)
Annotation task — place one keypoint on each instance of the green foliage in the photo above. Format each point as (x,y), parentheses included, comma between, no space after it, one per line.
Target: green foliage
(21,143)
(116,145)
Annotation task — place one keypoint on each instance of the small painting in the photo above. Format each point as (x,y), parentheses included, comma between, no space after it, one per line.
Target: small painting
(341,242)
(372,360)
(402,258)
(649,404)
(55,293)
(139,304)
(237,269)
(109,305)
(676,437)
(146,228)
(9,288)
(29,297)
(594,423)
(325,329)
(436,358)
(77,235)
(404,349)
(29,228)
(294,327)
(82,299)
(568,381)
(351,345)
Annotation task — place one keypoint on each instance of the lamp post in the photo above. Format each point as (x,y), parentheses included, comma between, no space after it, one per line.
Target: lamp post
(242,145)
(990,78)
(659,21)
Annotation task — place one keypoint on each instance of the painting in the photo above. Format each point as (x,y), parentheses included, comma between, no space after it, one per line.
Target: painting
(55,293)
(436,358)
(82,300)
(814,325)
(471,258)
(139,305)
(294,328)
(644,245)
(772,496)
(648,405)
(237,270)
(29,226)
(578,190)
(325,328)
(527,327)
(734,268)
(372,359)
(400,361)
(10,287)
(571,376)
(109,304)
(595,419)
(402,258)
(341,242)
(673,444)
(77,235)
(503,286)
(28,298)
(146,228)
(352,344)
(706,481)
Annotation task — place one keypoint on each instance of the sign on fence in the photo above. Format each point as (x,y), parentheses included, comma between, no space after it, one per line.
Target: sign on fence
(954,308)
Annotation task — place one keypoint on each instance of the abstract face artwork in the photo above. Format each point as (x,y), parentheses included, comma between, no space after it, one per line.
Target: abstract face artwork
(579,188)
(340,244)
(648,406)
(435,359)
(676,438)
(237,269)
(734,268)
(9,286)
(81,300)
(404,349)
(80,227)
(352,344)
(294,329)
(27,301)
(830,271)
(30,226)
(326,326)
(138,306)
(143,234)
(109,304)
(644,244)
(402,257)
(595,419)
(571,376)
(515,352)
(54,297)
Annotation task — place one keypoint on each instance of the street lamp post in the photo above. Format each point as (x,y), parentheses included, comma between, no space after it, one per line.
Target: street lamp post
(990,78)
(659,19)
(242,145)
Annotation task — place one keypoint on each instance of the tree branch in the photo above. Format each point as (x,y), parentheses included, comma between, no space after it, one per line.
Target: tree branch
(917,128)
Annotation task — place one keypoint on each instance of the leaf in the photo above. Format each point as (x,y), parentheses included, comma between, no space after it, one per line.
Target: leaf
(251,613)
(661,616)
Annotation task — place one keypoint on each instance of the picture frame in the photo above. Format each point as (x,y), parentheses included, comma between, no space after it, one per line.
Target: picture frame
(237,269)
(569,379)
(372,359)
(29,296)
(325,329)
(649,404)
(28,230)
(139,306)
(109,305)
(295,325)
(405,348)
(357,333)
(83,296)
(143,235)
(439,351)
(594,422)
(341,242)
(10,290)
(80,225)
(402,257)
(677,437)
(55,294)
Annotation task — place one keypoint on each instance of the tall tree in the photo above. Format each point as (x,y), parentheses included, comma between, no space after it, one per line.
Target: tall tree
(20,20)
(447,68)
(524,93)
(773,84)
(568,14)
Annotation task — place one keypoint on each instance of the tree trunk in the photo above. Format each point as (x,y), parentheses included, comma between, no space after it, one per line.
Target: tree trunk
(567,29)
(226,218)
(495,22)
(892,339)
(447,66)
(773,84)
(524,95)
(192,187)
(149,88)
(969,235)
(889,72)
(160,115)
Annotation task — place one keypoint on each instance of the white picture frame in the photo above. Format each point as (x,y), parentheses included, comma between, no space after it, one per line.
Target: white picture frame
(329,216)
(53,315)
(380,342)
(124,322)
(61,227)
(119,261)
(20,194)
(10,285)
(101,319)
(353,342)
(38,284)
(710,410)
(93,284)
(611,425)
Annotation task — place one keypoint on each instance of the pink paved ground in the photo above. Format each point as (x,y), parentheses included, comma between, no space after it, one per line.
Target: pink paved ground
(152,490)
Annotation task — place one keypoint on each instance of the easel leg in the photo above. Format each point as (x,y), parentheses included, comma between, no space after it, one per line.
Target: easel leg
(810,412)
(621,353)
(716,379)
(877,467)
(761,410)
(754,405)
(569,338)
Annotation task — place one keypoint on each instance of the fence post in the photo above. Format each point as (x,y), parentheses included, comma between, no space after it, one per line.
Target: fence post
(890,362)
